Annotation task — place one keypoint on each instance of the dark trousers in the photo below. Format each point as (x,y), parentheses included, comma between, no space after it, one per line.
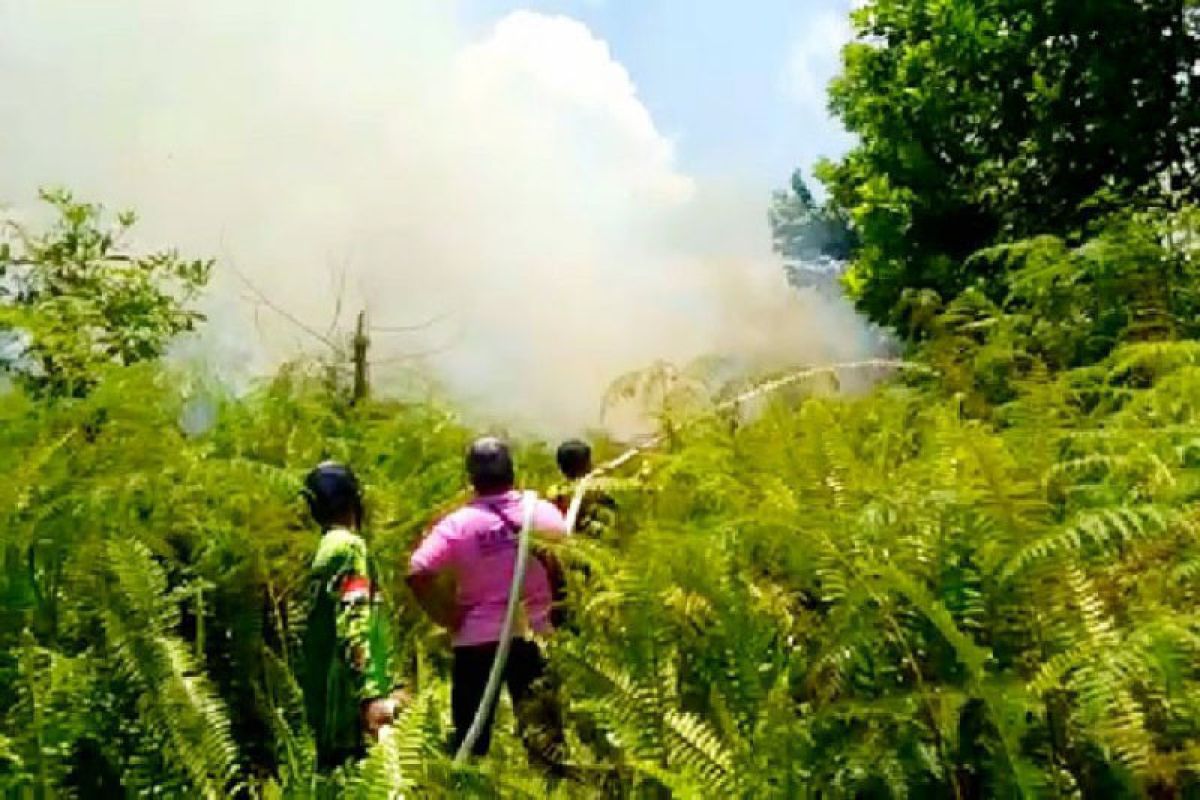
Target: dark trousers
(529,686)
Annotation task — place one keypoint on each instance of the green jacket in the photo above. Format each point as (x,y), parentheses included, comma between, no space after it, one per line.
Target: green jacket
(345,646)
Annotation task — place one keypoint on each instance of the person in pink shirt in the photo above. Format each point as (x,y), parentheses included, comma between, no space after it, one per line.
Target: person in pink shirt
(477,546)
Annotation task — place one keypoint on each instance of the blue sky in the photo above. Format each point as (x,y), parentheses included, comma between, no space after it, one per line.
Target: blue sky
(737,85)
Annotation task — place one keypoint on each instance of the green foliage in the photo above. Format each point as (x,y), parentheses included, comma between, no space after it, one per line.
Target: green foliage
(877,596)
(1064,307)
(980,123)
(182,719)
(71,301)
(219,517)
(920,603)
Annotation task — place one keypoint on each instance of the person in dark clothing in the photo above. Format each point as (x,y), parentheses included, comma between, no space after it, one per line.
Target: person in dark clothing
(597,509)
(530,688)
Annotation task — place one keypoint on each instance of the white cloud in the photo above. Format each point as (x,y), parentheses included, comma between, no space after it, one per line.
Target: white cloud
(552,75)
(815,58)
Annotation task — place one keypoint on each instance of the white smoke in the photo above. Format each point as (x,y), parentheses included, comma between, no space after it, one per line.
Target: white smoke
(516,184)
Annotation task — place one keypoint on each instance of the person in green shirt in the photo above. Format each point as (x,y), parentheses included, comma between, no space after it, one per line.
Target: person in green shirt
(344,673)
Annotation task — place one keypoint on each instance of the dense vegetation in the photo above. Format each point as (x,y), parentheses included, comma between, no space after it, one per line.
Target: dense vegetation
(979,579)
(984,122)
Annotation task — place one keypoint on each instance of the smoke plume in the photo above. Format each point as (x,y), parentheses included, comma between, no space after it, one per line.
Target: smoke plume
(511,190)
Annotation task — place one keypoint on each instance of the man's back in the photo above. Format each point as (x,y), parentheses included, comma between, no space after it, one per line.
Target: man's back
(478,543)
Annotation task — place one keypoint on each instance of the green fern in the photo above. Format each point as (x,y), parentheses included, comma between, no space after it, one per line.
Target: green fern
(175,702)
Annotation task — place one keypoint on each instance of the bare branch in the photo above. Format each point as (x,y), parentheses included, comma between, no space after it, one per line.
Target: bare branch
(282,312)
(419,326)
(338,300)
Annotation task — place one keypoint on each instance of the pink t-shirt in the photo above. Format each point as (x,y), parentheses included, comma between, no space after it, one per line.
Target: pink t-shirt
(478,542)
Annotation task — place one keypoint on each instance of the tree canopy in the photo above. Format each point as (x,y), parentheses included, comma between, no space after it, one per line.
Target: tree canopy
(71,300)
(813,241)
(980,123)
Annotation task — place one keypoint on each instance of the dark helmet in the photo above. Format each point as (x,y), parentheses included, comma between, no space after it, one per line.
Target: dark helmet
(490,465)
(333,494)
(574,458)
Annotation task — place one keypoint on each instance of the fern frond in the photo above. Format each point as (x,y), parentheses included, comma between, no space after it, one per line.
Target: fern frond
(175,700)
(283,706)
(381,775)
(1156,358)
(695,748)
(659,738)
(972,656)
(1102,530)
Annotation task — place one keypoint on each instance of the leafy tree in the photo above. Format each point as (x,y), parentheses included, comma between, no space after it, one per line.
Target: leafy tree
(812,239)
(980,123)
(71,301)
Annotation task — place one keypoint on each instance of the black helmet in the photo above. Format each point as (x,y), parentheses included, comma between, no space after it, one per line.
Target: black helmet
(333,494)
(490,465)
